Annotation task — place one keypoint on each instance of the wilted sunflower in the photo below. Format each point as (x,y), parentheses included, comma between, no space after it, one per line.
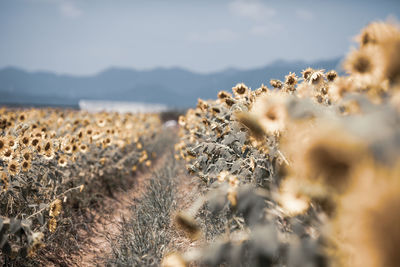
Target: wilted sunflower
(49,155)
(331,75)
(307,73)
(364,62)
(52,224)
(11,142)
(10,124)
(62,161)
(201,104)
(26,165)
(67,149)
(52,134)
(317,78)
(22,117)
(39,134)
(223,94)
(80,135)
(89,131)
(290,81)
(47,146)
(330,160)
(240,90)
(277,84)
(262,90)
(270,112)
(24,141)
(376,33)
(106,142)
(97,135)
(35,141)
(13,167)
(39,148)
(7,154)
(229,101)
(83,148)
(55,208)
(329,155)
(101,122)
(74,148)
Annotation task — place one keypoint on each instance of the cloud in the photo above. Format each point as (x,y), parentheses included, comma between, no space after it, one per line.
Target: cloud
(251,9)
(304,14)
(214,36)
(70,10)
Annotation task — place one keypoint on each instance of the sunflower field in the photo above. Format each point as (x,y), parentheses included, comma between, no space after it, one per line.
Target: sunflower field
(299,172)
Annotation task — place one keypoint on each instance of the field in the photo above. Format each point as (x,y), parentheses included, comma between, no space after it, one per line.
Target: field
(304,172)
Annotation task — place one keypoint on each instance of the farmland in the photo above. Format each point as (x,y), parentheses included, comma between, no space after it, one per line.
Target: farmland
(299,172)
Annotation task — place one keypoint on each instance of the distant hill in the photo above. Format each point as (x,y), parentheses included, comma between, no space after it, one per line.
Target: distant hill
(172,86)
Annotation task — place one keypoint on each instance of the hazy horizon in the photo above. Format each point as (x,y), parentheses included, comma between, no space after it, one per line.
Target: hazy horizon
(85,37)
(166,68)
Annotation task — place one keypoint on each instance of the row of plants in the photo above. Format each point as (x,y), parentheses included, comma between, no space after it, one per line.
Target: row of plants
(55,164)
(305,173)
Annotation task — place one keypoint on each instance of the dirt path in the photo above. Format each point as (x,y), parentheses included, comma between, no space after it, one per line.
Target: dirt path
(187,193)
(106,225)
(108,221)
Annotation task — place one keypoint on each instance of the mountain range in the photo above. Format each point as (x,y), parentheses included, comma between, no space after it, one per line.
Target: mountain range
(175,87)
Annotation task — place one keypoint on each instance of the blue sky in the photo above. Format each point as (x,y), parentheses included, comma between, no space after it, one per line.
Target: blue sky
(86,36)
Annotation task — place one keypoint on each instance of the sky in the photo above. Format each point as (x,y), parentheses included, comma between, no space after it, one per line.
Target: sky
(83,37)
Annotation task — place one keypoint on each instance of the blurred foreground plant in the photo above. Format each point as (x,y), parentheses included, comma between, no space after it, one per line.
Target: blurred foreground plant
(306,173)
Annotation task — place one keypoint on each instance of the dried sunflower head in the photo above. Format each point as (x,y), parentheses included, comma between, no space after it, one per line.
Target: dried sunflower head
(240,90)
(376,33)
(52,224)
(26,165)
(277,84)
(331,75)
(55,208)
(62,161)
(13,167)
(307,73)
(270,112)
(290,81)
